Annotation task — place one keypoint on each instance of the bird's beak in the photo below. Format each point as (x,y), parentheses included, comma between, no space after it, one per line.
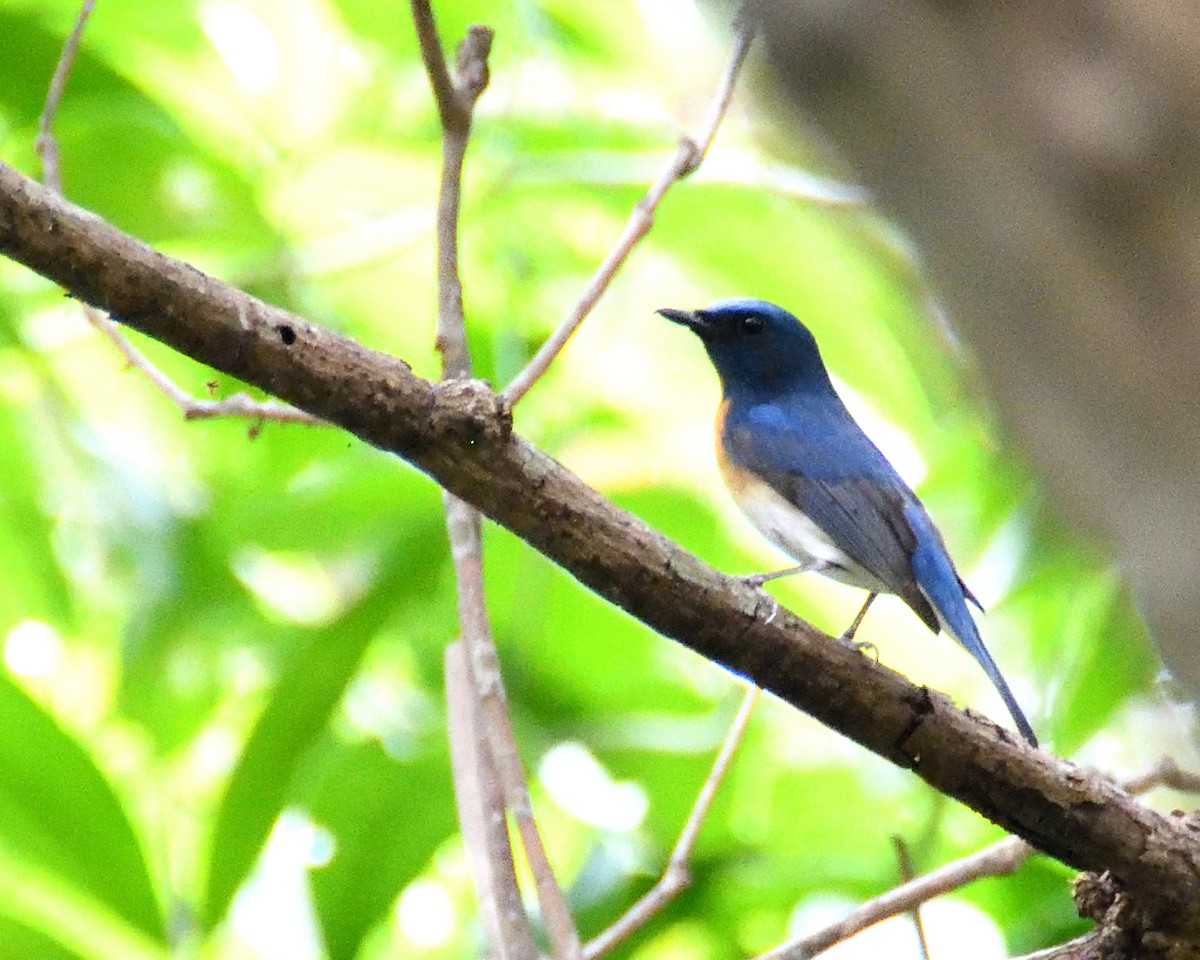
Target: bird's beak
(686,317)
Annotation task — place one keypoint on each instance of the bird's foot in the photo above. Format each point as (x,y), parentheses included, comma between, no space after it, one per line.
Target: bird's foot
(863,646)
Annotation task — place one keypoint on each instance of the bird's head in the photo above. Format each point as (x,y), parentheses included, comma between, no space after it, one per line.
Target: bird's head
(756,346)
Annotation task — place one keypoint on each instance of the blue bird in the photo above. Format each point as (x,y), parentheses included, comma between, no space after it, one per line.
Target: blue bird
(811,481)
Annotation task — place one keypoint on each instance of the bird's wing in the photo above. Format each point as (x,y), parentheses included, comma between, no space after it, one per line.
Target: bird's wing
(846,489)
(866,520)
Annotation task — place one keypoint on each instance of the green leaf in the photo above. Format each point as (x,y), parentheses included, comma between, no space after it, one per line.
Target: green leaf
(309,688)
(387,815)
(56,809)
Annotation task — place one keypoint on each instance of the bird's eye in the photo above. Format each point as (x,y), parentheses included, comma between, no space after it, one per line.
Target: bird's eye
(753,324)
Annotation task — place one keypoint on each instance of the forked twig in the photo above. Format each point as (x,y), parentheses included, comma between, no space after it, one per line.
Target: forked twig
(481,814)
(677,874)
(1000,859)
(237,405)
(688,156)
(47,145)
(907,873)
(455,97)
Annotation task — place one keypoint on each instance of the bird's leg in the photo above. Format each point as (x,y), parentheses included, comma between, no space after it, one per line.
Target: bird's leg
(758,579)
(850,631)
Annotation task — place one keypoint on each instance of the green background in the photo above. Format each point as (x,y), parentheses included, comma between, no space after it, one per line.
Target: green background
(224,724)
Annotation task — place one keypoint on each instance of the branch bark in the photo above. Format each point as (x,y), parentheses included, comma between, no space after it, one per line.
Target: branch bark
(459,432)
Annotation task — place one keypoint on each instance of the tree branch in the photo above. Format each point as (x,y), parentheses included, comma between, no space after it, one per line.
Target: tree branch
(678,874)
(1000,859)
(237,405)
(456,97)
(481,816)
(459,432)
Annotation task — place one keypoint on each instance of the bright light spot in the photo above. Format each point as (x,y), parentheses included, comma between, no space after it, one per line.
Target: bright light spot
(426,914)
(18,382)
(633,106)
(296,586)
(894,443)
(54,327)
(996,571)
(582,787)
(188,188)
(246,44)
(33,649)
(273,913)
(679,21)
(388,708)
(214,752)
(952,928)
(542,84)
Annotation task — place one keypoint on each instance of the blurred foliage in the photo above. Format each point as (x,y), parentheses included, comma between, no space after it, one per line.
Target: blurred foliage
(222,706)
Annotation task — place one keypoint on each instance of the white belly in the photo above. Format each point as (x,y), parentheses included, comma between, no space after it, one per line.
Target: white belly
(796,535)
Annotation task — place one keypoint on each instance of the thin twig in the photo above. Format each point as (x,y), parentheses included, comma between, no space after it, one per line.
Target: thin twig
(688,156)
(445,95)
(1166,773)
(456,97)
(463,523)
(47,144)
(907,873)
(481,813)
(238,405)
(677,874)
(1000,859)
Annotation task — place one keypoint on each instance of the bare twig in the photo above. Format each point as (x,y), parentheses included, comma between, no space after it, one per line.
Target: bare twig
(456,97)
(1166,773)
(47,145)
(481,813)
(238,405)
(1001,858)
(688,156)
(907,873)
(463,523)
(677,874)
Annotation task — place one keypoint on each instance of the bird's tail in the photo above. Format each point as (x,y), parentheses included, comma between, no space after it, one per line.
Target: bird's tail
(939,582)
(974,645)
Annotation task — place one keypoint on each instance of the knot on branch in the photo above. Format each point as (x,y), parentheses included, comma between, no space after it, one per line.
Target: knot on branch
(1123,931)
(470,411)
(472,66)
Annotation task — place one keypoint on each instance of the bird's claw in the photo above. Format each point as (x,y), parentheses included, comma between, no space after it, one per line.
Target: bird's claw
(863,646)
(755,582)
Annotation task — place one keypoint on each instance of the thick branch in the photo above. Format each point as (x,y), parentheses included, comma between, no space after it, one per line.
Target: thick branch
(459,433)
